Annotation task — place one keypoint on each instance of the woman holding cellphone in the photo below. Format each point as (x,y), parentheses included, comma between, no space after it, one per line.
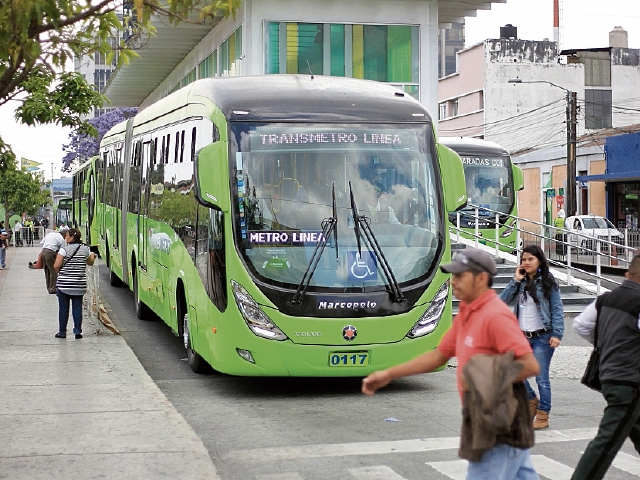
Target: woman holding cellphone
(538,306)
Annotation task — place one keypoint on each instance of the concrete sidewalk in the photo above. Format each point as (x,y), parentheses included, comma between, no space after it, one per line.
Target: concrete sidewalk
(79,409)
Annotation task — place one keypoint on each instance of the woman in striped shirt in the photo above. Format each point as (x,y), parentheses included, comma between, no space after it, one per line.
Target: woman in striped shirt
(71,265)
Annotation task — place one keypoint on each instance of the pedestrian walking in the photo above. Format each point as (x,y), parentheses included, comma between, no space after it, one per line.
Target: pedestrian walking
(561,237)
(483,327)
(50,246)
(618,338)
(71,265)
(17,233)
(4,243)
(28,231)
(541,317)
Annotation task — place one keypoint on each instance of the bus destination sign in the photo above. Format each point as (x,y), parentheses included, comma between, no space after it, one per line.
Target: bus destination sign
(262,139)
(482,162)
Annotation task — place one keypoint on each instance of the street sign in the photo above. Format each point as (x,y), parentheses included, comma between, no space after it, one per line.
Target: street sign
(551,192)
(561,191)
(560,199)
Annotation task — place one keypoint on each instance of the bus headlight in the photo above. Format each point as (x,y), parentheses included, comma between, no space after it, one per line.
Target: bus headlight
(431,317)
(256,319)
(509,228)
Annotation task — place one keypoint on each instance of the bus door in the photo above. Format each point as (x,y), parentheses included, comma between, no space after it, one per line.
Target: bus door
(90,188)
(124,200)
(148,153)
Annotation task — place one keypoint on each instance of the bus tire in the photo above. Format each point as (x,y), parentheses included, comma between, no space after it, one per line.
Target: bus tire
(143,312)
(196,362)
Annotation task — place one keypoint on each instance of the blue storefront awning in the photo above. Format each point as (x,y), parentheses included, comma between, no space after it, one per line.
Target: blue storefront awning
(610,177)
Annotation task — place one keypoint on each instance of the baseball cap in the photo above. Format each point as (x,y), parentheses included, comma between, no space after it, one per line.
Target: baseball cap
(63,229)
(471,259)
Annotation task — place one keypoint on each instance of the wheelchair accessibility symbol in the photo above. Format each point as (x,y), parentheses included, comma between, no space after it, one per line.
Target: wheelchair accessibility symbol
(362,268)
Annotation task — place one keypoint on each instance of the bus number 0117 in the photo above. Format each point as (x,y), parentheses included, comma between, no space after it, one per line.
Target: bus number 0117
(351,359)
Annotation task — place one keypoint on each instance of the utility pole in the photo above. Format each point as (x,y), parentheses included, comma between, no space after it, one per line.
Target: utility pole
(572,125)
(51,219)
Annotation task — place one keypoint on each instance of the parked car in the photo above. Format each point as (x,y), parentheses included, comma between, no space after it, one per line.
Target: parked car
(584,228)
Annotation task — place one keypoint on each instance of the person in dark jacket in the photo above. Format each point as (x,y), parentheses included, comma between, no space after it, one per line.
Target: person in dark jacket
(541,317)
(619,344)
(483,325)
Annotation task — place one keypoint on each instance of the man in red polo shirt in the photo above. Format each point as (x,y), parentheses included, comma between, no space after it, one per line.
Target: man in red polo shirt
(483,325)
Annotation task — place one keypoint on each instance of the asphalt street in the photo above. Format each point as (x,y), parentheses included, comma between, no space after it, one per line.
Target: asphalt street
(318,429)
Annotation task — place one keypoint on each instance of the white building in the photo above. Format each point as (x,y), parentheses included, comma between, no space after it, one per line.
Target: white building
(478,101)
(393,41)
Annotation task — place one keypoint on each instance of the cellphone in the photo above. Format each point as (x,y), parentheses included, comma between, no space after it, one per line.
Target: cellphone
(522,271)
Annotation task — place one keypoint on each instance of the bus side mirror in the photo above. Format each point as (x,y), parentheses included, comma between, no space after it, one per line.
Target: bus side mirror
(211,169)
(452,173)
(518,178)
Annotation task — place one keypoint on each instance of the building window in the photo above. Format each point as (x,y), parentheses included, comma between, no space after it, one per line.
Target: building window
(209,66)
(231,54)
(442,111)
(480,100)
(597,109)
(386,53)
(100,78)
(453,110)
(189,78)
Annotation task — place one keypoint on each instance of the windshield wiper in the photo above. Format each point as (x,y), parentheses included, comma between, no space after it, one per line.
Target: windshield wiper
(328,226)
(364,223)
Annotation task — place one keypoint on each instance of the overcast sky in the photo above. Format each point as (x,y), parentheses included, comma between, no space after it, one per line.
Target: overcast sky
(584,24)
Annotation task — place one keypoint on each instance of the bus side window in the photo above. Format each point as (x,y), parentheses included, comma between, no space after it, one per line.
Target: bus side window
(210,258)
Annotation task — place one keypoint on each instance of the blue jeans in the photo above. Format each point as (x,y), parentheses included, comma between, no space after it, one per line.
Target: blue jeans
(63,312)
(503,462)
(3,257)
(543,353)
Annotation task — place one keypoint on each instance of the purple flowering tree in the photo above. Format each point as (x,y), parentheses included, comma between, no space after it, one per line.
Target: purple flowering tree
(82,147)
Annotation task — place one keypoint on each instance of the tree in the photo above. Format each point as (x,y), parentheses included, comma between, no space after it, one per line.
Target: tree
(20,192)
(39,37)
(83,146)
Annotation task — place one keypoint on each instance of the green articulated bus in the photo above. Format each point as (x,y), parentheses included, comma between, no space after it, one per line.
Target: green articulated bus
(283,225)
(86,202)
(491,182)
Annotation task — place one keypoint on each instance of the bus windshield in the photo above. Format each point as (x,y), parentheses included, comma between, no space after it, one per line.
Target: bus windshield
(284,175)
(489,183)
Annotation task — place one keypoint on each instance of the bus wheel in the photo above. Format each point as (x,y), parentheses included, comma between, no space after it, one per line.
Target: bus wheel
(143,312)
(114,281)
(196,362)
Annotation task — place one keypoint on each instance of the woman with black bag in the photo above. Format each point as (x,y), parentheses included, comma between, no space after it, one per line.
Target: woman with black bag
(71,265)
(541,317)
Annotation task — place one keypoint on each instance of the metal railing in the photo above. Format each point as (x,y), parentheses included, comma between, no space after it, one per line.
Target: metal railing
(27,237)
(91,299)
(561,246)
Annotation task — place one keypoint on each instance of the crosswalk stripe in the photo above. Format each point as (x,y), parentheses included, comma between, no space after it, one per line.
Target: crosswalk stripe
(344,449)
(392,446)
(627,463)
(457,469)
(454,469)
(547,436)
(381,472)
(550,468)
(279,476)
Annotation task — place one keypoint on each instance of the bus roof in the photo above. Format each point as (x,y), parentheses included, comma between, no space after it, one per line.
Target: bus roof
(474,146)
(286,98)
